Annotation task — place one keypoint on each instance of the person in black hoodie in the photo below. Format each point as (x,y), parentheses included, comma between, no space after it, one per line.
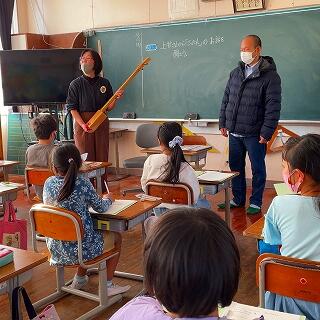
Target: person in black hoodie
(249,115)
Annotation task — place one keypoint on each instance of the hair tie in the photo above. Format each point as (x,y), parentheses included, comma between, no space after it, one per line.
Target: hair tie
(177,140)
(70,160)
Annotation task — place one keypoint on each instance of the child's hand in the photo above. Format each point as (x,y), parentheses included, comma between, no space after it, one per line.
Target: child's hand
(108,196)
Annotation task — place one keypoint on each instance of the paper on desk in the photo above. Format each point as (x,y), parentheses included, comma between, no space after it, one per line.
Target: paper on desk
(238,311)
(214,176)
(5,186)
(143,196)
(199,173)
(116,207)
(193,147)
(282,189)
(84,156)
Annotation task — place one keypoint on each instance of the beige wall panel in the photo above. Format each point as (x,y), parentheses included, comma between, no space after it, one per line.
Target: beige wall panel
(276,4)
(67,16)
(158,11)
(120,12)
(299,3)
(207,9)
(224,7)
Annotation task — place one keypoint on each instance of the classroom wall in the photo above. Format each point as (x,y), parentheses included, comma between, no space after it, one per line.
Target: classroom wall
(60,16)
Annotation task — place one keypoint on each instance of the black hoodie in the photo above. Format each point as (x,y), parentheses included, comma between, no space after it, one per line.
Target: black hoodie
(251,106)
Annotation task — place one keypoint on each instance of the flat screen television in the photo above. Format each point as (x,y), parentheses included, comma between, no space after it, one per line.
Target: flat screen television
(38,76)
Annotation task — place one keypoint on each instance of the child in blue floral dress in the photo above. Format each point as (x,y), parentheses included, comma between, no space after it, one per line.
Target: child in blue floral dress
(72,192)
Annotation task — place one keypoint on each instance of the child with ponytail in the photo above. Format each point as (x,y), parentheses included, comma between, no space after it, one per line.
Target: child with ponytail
(171,166)
(70,191)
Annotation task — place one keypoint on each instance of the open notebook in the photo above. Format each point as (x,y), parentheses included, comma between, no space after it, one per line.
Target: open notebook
(238,311)
(116,207)
(213,176)
(282,189)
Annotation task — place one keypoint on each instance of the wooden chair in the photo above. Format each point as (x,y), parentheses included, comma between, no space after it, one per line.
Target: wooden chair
(179,193)
(37,177)
(279,130)
(295,278)
(197,140)
(200,140)
(64,225)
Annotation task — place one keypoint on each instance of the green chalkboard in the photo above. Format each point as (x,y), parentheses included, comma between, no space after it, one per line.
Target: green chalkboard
(191,62)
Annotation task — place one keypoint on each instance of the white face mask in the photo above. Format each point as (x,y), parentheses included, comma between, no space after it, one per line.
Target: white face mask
(246,57)
(86,68)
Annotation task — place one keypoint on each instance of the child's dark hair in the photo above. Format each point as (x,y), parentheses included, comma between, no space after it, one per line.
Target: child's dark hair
(67,161)
(43,125)
(303,153)
(166,133)
(191,262)
(96,59)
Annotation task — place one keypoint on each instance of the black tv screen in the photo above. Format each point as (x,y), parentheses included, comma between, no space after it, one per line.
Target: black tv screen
(38,76)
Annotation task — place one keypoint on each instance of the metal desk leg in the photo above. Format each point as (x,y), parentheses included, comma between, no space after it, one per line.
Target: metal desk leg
(116,151)
(118,176)
(5,174)
(99,173)
(227,203)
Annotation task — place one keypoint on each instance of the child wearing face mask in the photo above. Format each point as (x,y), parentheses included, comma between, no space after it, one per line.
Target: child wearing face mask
(45,128)
(293,221)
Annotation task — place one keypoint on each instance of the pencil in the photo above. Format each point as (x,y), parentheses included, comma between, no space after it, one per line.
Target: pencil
(106,185)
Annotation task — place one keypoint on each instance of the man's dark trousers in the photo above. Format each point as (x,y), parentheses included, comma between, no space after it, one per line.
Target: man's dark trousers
(238,148)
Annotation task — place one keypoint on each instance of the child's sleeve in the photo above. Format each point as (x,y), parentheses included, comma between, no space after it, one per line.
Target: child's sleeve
(145,174)
(142,307)
(94,200)
(50,191)
(270,231)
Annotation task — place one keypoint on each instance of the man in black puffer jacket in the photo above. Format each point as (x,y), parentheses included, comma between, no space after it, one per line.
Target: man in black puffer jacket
(250,113)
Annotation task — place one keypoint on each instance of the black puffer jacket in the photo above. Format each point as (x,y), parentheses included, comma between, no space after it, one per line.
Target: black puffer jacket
(251,106)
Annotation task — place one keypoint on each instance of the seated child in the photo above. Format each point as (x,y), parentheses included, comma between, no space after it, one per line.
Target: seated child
(69,191)
(45,129)
(191,266)
(171,166)
(293,221)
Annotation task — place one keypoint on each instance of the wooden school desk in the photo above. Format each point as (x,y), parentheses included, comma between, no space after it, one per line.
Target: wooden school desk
(214,187)
(190,155)
(9,190)
(23,260)
(117,133)
(89,169)
(6,165)
(255,230)
(125,220)
(93,169)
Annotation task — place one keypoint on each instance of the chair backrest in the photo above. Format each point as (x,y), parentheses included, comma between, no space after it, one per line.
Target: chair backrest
(199,140)
(56,223)
(179,193)
(147,135)
(295,278)
(37,176)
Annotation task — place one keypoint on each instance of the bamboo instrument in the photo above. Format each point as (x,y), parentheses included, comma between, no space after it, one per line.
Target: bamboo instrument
(100,115)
